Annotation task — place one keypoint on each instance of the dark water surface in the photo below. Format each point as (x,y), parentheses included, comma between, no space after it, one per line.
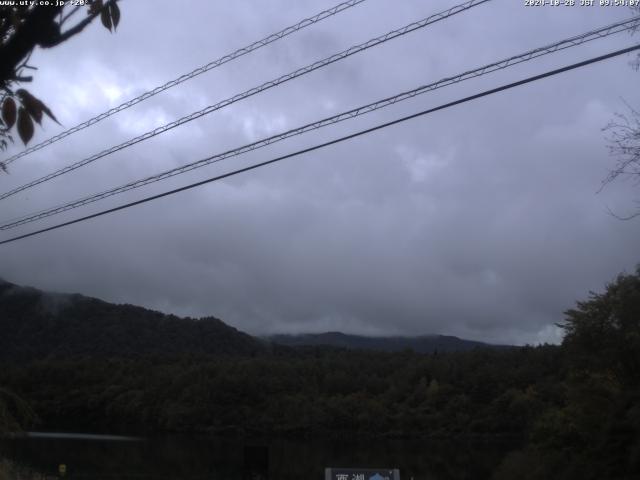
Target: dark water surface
(190,457)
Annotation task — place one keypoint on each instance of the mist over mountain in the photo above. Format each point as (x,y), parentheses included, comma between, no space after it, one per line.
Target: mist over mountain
(39,325)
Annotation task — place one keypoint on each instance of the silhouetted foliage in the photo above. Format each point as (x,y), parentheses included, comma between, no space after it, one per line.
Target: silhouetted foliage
(603,333)
(23,27)
(593,432)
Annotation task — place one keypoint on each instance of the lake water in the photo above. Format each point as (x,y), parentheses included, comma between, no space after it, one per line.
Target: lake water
(190,458)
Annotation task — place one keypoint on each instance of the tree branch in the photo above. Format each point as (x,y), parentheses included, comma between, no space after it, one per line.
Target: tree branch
(629,217)
(81,25)
(35,29)
(69,15)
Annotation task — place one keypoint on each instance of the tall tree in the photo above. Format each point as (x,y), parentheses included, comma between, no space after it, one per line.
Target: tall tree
(603,333)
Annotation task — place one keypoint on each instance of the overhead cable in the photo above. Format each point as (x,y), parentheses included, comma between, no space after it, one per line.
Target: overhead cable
(255,90)
(331,142)
(307,22)
(499,65)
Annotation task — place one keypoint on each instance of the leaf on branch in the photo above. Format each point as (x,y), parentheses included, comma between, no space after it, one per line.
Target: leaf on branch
(35,106)
(25,125)
(115,14)
(105,18)
(9,112)
(31,103)
(49,113)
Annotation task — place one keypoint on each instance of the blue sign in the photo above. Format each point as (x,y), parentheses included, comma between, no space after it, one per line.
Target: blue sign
(361,474)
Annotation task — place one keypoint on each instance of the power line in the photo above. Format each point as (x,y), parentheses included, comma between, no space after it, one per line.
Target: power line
(255,90)
(194,73)
(331,142)
(499,65)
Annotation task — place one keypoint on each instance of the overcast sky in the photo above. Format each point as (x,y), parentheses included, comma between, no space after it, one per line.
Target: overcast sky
(480,221)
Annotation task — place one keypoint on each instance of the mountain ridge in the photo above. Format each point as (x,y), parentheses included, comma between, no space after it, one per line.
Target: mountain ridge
(39,325)
(429,343)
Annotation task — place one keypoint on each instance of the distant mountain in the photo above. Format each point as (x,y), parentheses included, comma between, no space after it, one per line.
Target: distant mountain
(420,344)
(37,325)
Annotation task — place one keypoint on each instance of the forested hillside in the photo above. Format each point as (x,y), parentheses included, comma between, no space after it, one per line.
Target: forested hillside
(35,325)
(420,344)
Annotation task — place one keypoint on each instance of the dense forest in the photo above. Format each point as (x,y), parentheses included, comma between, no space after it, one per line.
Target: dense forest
(573,409)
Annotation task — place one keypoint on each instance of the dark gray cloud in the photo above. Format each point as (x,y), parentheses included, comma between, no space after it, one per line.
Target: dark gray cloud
(480,221)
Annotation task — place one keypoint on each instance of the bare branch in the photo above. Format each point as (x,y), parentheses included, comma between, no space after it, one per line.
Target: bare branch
(619,217)
(624,144)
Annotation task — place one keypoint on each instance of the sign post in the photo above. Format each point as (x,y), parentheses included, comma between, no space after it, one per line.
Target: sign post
(361,474)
